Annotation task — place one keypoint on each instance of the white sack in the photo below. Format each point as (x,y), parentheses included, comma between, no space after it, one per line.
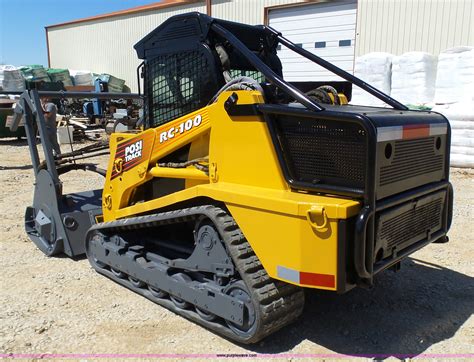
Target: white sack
(12,79)
(460,111)
(462,161)
(465,133)
(455,75)
(414,78)
(462,141)
(461,118)
(82,77)
(375,69)
(462,125)
(462,150)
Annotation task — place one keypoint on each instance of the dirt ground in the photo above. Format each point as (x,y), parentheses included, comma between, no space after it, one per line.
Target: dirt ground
(61,306)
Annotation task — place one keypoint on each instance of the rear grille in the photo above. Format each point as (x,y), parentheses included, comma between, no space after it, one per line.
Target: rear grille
(323,152)
(412,158)
(408,224)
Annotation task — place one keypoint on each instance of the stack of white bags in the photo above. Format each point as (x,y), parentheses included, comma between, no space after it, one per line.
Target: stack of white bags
(461,118)
(375,69)
(11,79)
(413,78)
(455,100)
(455,77)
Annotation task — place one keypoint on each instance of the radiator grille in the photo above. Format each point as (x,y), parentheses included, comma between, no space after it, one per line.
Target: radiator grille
(413,224)
(412,158)
(176,85)
(324,152)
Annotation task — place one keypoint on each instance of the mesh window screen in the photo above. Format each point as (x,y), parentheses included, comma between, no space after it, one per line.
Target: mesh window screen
(175,85)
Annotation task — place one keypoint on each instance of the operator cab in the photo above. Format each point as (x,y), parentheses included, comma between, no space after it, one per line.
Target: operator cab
(186,66)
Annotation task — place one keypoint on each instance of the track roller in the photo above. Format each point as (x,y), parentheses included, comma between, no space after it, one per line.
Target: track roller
(205,315)
(118,273)
(157,293)
(136,282)
(180,303)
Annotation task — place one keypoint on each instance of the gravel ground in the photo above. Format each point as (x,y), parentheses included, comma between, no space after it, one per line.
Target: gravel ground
(59,305)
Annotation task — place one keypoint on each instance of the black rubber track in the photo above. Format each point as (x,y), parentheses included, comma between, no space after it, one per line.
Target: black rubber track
(276,303)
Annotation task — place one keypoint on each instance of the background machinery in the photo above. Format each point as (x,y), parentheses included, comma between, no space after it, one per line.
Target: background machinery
(243,189)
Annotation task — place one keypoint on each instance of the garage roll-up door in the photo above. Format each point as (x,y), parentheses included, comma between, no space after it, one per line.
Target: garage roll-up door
(325,29)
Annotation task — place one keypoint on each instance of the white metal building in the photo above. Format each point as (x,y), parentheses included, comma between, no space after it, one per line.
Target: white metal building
(337,30)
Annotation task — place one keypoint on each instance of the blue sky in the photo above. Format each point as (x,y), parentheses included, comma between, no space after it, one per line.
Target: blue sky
(22,22)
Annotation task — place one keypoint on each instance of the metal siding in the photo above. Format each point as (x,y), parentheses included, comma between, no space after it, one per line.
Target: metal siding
(399,26)
(394,26)
(245,11)
(106,45)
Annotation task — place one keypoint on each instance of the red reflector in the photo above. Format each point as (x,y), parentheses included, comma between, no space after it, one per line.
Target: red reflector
(322,280)
(416,131)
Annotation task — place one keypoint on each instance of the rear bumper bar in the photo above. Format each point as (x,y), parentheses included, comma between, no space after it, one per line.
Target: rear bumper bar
(364,233)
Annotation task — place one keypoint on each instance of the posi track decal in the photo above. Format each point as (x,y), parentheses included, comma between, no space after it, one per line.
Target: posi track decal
(133,151)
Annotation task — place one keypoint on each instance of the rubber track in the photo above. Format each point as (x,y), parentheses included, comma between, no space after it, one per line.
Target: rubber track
(276,303)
